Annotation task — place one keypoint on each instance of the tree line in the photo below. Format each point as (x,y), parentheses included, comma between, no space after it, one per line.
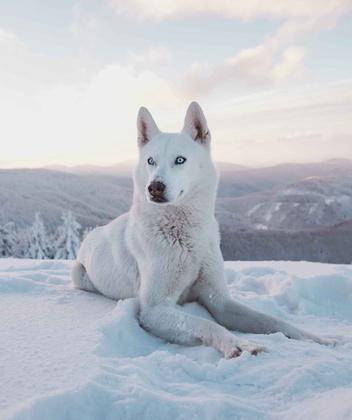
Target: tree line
(328,245)
(37,242)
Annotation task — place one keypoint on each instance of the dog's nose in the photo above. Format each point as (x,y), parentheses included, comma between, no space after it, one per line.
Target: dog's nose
(156,189)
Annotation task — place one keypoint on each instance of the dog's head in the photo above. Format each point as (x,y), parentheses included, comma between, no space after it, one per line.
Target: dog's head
(171,165)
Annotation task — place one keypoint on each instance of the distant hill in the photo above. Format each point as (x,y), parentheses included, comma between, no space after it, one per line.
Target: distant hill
(329,245)
(236,180)
(307,204)
(286,211)
(278,197)
(272,177)
(95,200)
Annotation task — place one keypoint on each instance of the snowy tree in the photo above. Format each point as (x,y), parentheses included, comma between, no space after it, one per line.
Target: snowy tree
(7,239)
(21,243)
(68,237)
(39,245)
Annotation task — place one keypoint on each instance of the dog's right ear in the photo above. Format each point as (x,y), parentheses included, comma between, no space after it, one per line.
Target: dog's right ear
(146,126)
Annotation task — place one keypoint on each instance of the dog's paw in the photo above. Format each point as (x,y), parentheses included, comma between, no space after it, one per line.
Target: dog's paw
(327,341)
(233,352)
(253,349)
(237,349)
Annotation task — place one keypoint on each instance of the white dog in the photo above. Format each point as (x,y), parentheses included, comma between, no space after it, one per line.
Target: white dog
(166,251)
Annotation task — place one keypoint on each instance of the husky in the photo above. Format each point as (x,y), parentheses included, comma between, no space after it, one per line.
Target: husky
(166,250)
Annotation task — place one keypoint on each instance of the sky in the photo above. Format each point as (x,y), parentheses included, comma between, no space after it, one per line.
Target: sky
(273,77)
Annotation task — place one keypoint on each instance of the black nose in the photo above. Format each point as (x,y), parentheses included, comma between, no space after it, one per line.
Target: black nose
(156,189)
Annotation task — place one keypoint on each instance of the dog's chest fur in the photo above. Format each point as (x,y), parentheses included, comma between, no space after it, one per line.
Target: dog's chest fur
(177,227)
(174,229)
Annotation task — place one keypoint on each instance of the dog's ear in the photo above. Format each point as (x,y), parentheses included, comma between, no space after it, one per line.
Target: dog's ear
(196,125)
(146,126)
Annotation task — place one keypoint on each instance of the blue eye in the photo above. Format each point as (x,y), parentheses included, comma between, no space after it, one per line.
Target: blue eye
(151,161)
(180,160)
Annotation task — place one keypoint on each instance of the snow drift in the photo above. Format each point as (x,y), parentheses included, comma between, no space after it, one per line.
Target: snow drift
(69,354)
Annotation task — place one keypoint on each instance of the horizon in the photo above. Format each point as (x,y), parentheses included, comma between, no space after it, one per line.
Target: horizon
(129,164)
(274,81)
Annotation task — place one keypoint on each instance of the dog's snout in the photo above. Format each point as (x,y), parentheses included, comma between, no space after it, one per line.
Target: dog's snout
(156,189)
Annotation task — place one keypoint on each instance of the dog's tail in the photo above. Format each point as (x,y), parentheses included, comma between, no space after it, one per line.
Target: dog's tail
(80,278)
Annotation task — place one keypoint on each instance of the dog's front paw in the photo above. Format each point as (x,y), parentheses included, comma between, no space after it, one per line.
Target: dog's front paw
(253,349)
(237,349)
(231,353)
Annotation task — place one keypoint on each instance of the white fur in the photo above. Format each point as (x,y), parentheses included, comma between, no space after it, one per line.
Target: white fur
(167,254)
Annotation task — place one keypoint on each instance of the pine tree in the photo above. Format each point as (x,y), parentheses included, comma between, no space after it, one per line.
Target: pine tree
(39,246)
(21,243)
(7,239)
(68,237)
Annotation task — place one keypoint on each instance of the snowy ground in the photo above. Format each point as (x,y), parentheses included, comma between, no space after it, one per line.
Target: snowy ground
(68,354)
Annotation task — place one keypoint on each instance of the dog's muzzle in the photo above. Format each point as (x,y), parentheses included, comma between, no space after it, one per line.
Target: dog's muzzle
(156,190)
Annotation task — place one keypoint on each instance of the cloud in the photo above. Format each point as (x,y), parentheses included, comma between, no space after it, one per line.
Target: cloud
(83,23)
(92,119)
(265,65)
(13,52)
(290,65)
(69,112)
(9,40)
(72,110)
(309,124)
(276,60)
(158,10)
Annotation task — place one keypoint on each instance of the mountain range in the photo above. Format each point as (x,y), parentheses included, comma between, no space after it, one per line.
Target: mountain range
(270,202)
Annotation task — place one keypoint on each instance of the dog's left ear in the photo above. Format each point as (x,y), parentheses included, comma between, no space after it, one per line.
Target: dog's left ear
(196,125)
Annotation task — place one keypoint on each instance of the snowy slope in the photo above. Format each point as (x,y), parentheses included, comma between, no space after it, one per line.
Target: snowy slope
(94,200)
(311,203)
(278,197)
(68,354)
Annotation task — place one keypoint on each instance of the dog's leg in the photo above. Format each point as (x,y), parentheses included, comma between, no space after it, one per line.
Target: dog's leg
(212,293)
(160,314)
(169,322)
(80,278)
(236,316)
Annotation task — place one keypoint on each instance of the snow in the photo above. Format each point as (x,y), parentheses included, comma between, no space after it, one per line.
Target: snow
(69,354)
(313,208)
(254,209)
(329,200)
(260,226)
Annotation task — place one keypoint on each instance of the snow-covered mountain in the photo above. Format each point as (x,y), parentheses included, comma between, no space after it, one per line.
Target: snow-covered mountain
(94,200)
(236,180)
(264,213)
(330,245)
(310,203)
(292,196)
(273,177)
